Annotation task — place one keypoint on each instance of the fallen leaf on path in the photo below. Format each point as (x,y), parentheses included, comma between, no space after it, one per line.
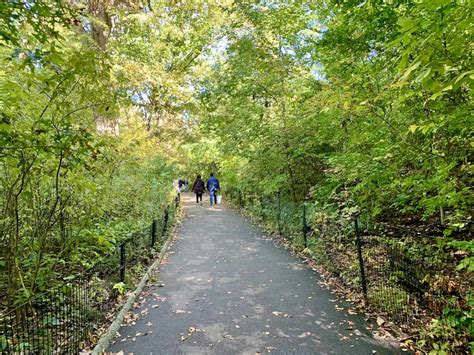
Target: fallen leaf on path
(276,313)
(304,335)
(380,321)
(130,317)
(380,334)
(180,311)
(228,336)
(149,324)
(192,330)
(183,338)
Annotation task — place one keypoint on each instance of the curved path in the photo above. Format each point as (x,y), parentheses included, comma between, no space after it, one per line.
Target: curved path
(227,289)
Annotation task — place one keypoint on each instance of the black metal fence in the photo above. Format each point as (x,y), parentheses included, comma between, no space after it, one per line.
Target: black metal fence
(57,323)
(388,271)
(64,319)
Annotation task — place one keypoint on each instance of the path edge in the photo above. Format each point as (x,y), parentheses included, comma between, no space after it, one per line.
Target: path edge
(107,338)
(392,342)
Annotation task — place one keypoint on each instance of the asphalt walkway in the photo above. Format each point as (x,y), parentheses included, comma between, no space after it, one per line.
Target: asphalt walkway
(228,289)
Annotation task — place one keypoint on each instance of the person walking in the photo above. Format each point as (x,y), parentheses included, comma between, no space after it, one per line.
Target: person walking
(198,189)
(213,187)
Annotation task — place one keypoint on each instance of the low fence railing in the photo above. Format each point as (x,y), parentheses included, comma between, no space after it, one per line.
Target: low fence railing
(64,319)
(378,266)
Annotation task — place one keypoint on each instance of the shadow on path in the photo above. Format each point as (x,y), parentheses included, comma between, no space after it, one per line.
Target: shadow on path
(227,289)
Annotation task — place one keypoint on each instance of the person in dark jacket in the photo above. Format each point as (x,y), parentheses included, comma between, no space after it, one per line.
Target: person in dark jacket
(198,189)
(213,187)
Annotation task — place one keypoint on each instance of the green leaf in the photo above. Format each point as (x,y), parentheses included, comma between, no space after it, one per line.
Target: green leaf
(408,24)
(413,128)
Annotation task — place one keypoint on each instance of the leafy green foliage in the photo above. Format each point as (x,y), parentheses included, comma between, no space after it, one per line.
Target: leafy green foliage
(363,107)
(42,17)
(80,171)
(356,107)
(452,331)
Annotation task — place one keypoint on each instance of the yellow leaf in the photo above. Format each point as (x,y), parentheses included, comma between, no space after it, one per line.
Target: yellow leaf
(413,128)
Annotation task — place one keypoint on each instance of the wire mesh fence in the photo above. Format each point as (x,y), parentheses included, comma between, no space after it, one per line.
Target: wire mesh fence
(57,323)
(388,271)
(397,275)
(63,319)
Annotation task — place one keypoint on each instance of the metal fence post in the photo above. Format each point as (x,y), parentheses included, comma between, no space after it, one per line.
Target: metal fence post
(241,200)
(165,222)
(279,212)
(305,226)
(361,259)
(262,213)
(177,199)
(6,320)
(122,262)
(153,233)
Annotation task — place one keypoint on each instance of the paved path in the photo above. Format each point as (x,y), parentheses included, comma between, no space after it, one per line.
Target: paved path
(227,289)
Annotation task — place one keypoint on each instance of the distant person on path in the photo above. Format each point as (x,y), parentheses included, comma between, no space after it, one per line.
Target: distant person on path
(213,187)
(198,189)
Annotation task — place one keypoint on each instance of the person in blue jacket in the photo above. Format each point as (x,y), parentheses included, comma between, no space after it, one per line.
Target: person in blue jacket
(213,186)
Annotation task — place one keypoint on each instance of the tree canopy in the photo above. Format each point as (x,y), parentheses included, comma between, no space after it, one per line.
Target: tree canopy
(359,107)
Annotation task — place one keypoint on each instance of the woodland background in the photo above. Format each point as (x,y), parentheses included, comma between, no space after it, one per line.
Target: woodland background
(359,108)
